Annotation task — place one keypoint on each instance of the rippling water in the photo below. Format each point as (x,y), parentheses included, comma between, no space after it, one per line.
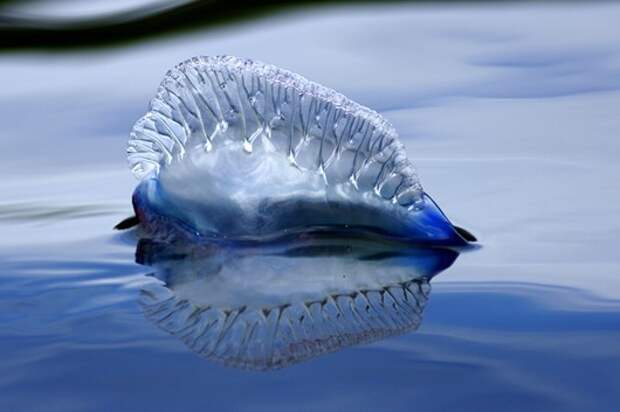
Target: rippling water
(511,115)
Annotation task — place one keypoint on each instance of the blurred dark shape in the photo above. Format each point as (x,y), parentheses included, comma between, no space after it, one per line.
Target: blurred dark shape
(22,31)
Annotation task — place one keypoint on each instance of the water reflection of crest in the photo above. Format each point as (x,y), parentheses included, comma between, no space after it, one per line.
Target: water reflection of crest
(275,305)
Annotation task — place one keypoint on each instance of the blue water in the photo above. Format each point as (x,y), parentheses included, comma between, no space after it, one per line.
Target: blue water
(511,116)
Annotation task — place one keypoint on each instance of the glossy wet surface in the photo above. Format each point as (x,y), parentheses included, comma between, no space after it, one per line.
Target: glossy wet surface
(510,115)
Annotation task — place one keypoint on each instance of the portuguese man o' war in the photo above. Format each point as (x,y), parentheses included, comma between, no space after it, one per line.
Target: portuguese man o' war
(282,220)
(234,149)
(275,305)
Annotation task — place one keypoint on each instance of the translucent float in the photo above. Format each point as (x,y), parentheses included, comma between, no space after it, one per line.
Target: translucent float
(234,149)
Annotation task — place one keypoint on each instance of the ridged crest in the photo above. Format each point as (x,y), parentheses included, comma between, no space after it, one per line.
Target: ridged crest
(206,102)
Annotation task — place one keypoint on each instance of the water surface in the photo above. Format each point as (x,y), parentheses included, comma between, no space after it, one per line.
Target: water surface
(511,115)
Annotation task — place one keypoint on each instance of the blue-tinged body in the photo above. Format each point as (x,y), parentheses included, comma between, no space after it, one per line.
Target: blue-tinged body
(162,217)
(269,153)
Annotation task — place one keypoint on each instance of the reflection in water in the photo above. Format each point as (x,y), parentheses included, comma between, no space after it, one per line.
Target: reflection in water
(271,306)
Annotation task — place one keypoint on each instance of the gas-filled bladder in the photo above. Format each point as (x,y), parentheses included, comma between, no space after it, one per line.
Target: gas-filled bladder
(237,149)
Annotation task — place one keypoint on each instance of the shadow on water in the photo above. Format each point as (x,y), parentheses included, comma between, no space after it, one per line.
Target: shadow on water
(21,30)
(271,306)
(23,212)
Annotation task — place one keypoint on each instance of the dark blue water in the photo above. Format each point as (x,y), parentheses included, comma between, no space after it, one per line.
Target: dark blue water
(511,116)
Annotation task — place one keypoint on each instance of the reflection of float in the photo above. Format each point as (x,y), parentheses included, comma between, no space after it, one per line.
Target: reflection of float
(272,306)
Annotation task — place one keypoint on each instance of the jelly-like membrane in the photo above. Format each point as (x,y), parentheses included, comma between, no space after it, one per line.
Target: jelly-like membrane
(237,148)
